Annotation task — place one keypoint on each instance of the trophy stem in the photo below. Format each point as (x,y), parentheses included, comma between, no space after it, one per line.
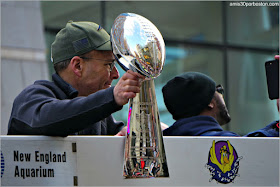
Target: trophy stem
(144,149)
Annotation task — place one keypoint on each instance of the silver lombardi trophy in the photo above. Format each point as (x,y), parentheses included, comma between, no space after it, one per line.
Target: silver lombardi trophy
(138,45)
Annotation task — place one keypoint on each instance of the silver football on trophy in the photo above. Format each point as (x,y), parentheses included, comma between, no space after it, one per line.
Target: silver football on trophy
(140,46)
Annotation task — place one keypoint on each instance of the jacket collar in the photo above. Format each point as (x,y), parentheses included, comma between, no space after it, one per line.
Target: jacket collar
(193,126)
(64,86)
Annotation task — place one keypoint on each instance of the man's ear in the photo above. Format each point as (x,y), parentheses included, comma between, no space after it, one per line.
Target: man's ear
(76,66)
(212,104)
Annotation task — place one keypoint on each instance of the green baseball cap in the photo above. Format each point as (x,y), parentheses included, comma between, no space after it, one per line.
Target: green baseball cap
(78,38)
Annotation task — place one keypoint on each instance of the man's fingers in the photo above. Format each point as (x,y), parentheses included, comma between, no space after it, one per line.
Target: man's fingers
(130,82)
(133,75)
(127,87)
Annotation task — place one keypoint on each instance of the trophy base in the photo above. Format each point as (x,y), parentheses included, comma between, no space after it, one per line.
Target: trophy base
(144,149)
(140,175)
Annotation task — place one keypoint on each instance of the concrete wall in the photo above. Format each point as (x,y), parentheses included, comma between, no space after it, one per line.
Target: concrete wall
(22,52)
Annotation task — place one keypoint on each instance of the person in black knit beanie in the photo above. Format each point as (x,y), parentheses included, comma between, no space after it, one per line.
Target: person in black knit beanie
(197,105)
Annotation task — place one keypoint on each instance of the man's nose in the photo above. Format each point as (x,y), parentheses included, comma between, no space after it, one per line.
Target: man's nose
(115,73)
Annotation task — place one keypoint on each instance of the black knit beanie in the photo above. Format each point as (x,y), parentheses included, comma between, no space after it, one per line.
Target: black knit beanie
(188,94)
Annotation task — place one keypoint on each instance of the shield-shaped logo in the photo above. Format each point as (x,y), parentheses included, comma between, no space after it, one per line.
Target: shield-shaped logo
(223,162)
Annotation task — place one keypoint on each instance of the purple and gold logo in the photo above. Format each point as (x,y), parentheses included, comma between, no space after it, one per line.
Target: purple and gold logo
(223,162)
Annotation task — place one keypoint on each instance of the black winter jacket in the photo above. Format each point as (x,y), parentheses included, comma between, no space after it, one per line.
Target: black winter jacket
(197,126)
(53,108)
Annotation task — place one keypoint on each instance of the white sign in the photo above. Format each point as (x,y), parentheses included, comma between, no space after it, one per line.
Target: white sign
(37,162)
(99,161)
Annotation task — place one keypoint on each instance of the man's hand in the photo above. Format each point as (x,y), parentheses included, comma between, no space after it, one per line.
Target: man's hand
(122,132)
(127,87)
(163,126)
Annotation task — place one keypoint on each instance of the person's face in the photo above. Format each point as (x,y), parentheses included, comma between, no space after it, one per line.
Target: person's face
(97,74)
(222,113)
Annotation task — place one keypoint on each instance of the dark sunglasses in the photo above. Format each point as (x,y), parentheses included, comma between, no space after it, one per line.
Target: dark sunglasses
(220,89)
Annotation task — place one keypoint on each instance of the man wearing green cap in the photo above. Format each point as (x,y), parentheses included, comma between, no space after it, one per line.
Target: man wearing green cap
(80,100)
